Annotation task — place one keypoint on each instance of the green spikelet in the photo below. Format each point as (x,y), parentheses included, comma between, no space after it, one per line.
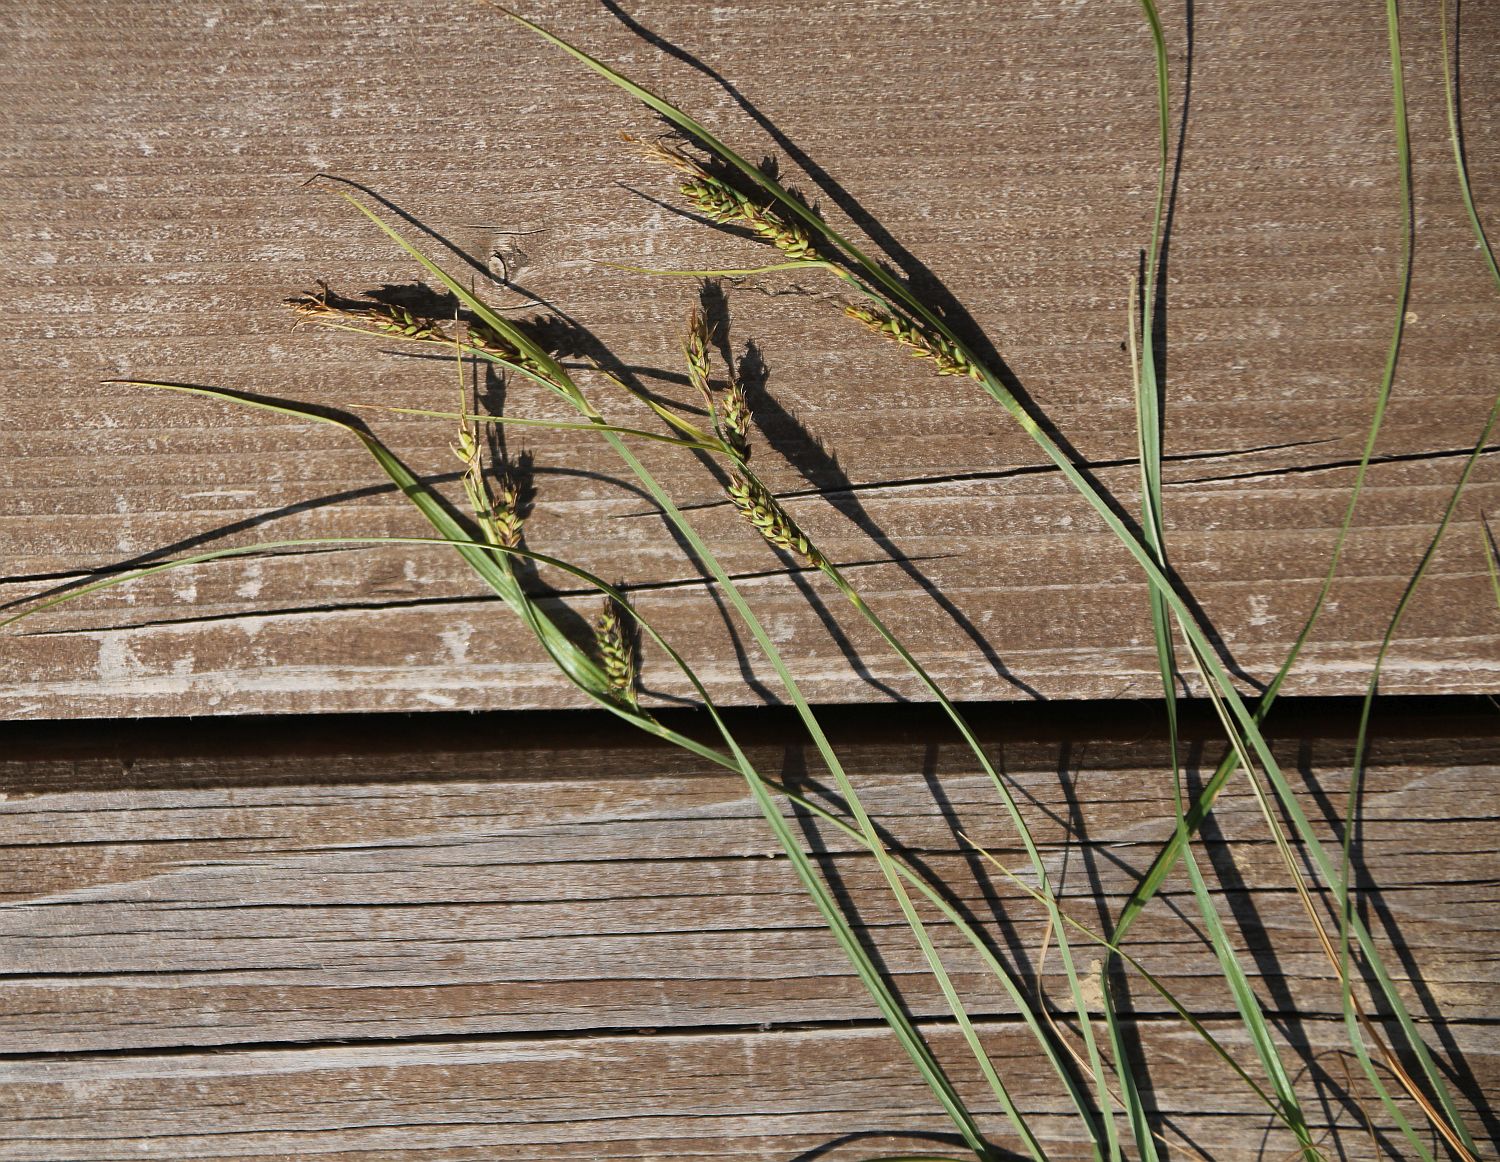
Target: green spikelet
(764,511)
(498,512)
(922,343)
(617,654)
(734,426)
(731,414)
(695,350)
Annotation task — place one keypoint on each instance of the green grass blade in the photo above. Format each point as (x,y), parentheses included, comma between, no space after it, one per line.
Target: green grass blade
(1167,858)
(1456,140)
(547,425)
(1148,426)
(936,1080)
(1455,1127)
(582,670)
(1491,557)
(1361,750)
(1149,437)
(1155,983)
(1018,821)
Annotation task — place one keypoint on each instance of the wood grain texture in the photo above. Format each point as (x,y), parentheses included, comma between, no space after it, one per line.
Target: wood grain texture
(366,945)
(155,217)
(843,1095)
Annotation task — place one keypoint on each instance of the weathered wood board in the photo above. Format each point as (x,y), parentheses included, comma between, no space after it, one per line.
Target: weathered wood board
(376,943)
(155,217)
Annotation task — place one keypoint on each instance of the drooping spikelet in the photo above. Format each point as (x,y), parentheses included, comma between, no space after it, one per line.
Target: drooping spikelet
(325,307)
(764,511)
(717,198)
(617,653)
(922,343)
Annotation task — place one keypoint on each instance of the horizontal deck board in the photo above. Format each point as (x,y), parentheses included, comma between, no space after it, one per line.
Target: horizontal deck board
(298,941)
(152,190)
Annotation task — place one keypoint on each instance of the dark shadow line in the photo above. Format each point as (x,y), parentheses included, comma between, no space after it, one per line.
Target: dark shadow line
(921,1137)
(442,240)
(1335,465)
(813,462)
(540,590)
(76,578)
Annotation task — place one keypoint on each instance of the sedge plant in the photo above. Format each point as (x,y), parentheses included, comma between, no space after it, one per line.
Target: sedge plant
(1097,1078)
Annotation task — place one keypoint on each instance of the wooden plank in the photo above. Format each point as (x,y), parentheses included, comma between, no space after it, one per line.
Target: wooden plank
(154,157)
(842,1094)
(146,974)
(355,944)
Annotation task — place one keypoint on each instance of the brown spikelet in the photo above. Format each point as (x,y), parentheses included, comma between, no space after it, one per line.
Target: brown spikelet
(695,350)
(324,307)
(922,343)
(617,654)
(668,154)
(764,511)
(505,512)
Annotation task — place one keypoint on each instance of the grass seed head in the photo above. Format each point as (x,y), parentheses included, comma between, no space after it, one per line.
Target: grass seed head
(617,653)
(922,343)
(328,309)
(734,429)
(764,511)
(486,338)
(789,237)
(498,510)
(695,349)
(731,414)
(505,511)
(714,195)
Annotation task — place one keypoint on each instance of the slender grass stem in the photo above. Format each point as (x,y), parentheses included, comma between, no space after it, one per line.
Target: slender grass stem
(1018,821)
(1246,1003)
